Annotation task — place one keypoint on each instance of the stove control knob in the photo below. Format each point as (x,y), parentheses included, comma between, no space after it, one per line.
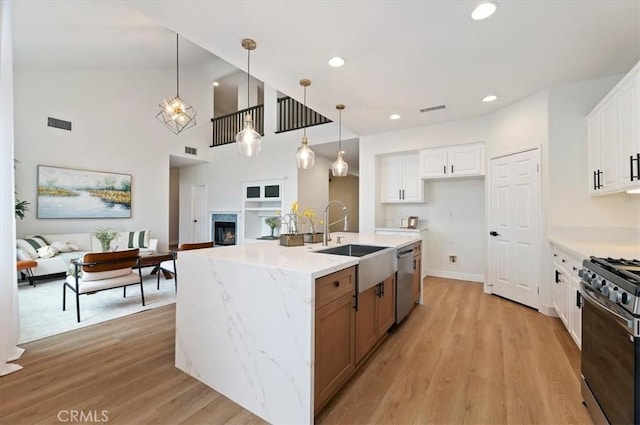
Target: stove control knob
(605,290)
(599,283)
(624,298)
(614,296)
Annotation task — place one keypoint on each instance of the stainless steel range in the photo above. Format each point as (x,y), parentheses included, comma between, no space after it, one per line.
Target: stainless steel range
(611,340)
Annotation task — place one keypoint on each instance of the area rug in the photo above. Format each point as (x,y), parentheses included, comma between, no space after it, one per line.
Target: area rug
(41,312)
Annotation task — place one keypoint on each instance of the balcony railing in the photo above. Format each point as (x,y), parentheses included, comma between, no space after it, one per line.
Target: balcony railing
(293,115)
(227,126)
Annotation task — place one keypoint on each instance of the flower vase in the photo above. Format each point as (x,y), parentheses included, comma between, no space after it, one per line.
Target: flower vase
(106,246)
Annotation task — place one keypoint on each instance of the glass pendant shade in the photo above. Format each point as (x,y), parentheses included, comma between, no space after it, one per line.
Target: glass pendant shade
(175,113)
(339,168)
(305,158)
(248,140)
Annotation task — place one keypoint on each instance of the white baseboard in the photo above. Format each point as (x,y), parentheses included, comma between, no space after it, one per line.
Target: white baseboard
(455,275)
(548,310)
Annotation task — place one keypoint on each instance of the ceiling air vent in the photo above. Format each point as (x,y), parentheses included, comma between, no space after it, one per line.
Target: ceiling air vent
(432,108)
(61,124)
(190,151)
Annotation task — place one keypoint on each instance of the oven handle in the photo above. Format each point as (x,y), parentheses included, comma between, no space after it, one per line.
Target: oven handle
(626,322)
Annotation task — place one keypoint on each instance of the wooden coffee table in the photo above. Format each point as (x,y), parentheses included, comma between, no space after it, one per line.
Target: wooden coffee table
(154,260)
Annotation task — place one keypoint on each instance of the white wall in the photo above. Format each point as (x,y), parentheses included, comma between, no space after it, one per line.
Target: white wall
(570,205)
(114,129)
(441,197)
(227,170)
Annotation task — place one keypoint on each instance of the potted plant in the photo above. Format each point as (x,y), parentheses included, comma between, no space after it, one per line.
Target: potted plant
(273,222)
(105,236)
(291,238)
(313,236)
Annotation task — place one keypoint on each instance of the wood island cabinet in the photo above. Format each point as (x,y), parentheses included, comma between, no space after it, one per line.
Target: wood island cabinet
(335,339)
(375,315)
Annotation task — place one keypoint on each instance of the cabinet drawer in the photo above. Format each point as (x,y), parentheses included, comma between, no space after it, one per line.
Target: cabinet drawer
(569,264)
(335,285)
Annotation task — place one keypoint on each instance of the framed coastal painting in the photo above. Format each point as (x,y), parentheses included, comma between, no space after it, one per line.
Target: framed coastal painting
(71,193)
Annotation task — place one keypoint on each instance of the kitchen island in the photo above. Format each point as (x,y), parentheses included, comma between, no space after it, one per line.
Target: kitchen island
(245,321)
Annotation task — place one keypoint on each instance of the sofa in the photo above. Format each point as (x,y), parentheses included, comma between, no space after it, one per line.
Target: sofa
(55,252)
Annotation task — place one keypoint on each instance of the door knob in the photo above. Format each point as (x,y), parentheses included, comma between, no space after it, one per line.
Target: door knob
(494,233)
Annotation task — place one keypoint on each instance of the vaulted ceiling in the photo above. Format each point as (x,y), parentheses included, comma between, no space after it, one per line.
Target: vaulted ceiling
(400,55)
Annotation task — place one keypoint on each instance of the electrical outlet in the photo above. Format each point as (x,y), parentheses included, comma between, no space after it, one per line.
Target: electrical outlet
(453,259)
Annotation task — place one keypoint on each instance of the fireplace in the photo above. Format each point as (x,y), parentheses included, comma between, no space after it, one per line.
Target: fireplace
(224,233)
(224,228)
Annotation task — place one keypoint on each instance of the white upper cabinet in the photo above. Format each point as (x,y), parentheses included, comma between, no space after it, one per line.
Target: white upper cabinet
(629,133)
(400,179)
(614,138)
(455,161)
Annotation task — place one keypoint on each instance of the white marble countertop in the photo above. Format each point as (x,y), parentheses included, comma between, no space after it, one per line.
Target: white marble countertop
(585,249)
(271,255)
(400,229)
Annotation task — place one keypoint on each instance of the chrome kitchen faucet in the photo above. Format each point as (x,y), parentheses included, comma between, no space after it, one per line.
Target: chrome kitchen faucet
(325,232)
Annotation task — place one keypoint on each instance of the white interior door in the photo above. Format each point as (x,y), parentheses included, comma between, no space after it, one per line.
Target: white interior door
(199,214)
(514,227)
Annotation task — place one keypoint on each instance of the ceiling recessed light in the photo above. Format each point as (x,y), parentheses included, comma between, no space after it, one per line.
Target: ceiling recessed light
(489,98)
(394,117)
(483,11)
(336,62)
(216,84)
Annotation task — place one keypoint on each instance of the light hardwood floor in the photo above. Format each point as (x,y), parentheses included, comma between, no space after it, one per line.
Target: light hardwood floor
(463,358)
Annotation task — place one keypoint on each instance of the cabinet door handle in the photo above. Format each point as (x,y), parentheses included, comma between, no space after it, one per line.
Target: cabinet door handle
(403,194)
(336,283)
(637,160)
(557,276)
(451,168)
(595,184)
(444,169)
(600,185)
(355,306)
(575,269)
(578,299)
(414,264)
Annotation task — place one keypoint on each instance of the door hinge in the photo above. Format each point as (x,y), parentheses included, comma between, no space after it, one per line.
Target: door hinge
(538,168)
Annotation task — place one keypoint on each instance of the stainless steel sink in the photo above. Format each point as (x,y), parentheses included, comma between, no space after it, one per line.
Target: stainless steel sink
(352,250)
(375,264)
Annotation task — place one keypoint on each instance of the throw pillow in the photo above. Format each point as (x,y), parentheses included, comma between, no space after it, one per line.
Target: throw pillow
(46,252)
(26,247)
(73,247)
(22,255)
(61,246)
(138,239)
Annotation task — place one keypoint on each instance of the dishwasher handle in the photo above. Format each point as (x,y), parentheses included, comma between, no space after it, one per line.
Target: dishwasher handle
(405,253)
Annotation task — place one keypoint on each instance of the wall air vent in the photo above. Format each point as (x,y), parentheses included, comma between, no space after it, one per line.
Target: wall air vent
(57,123)
(190,150)
(432,108)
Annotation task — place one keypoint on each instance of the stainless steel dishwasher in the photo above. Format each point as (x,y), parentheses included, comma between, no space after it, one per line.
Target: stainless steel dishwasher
(404,288)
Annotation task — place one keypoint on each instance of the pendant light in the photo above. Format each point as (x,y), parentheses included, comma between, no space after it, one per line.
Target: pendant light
(305,158)
(249,140)
(175,113)
(339,168)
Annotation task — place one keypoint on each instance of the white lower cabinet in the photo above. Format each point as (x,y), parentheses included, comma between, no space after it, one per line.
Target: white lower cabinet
(567,300)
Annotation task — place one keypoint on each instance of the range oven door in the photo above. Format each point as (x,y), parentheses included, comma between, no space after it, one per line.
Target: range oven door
(610,355)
